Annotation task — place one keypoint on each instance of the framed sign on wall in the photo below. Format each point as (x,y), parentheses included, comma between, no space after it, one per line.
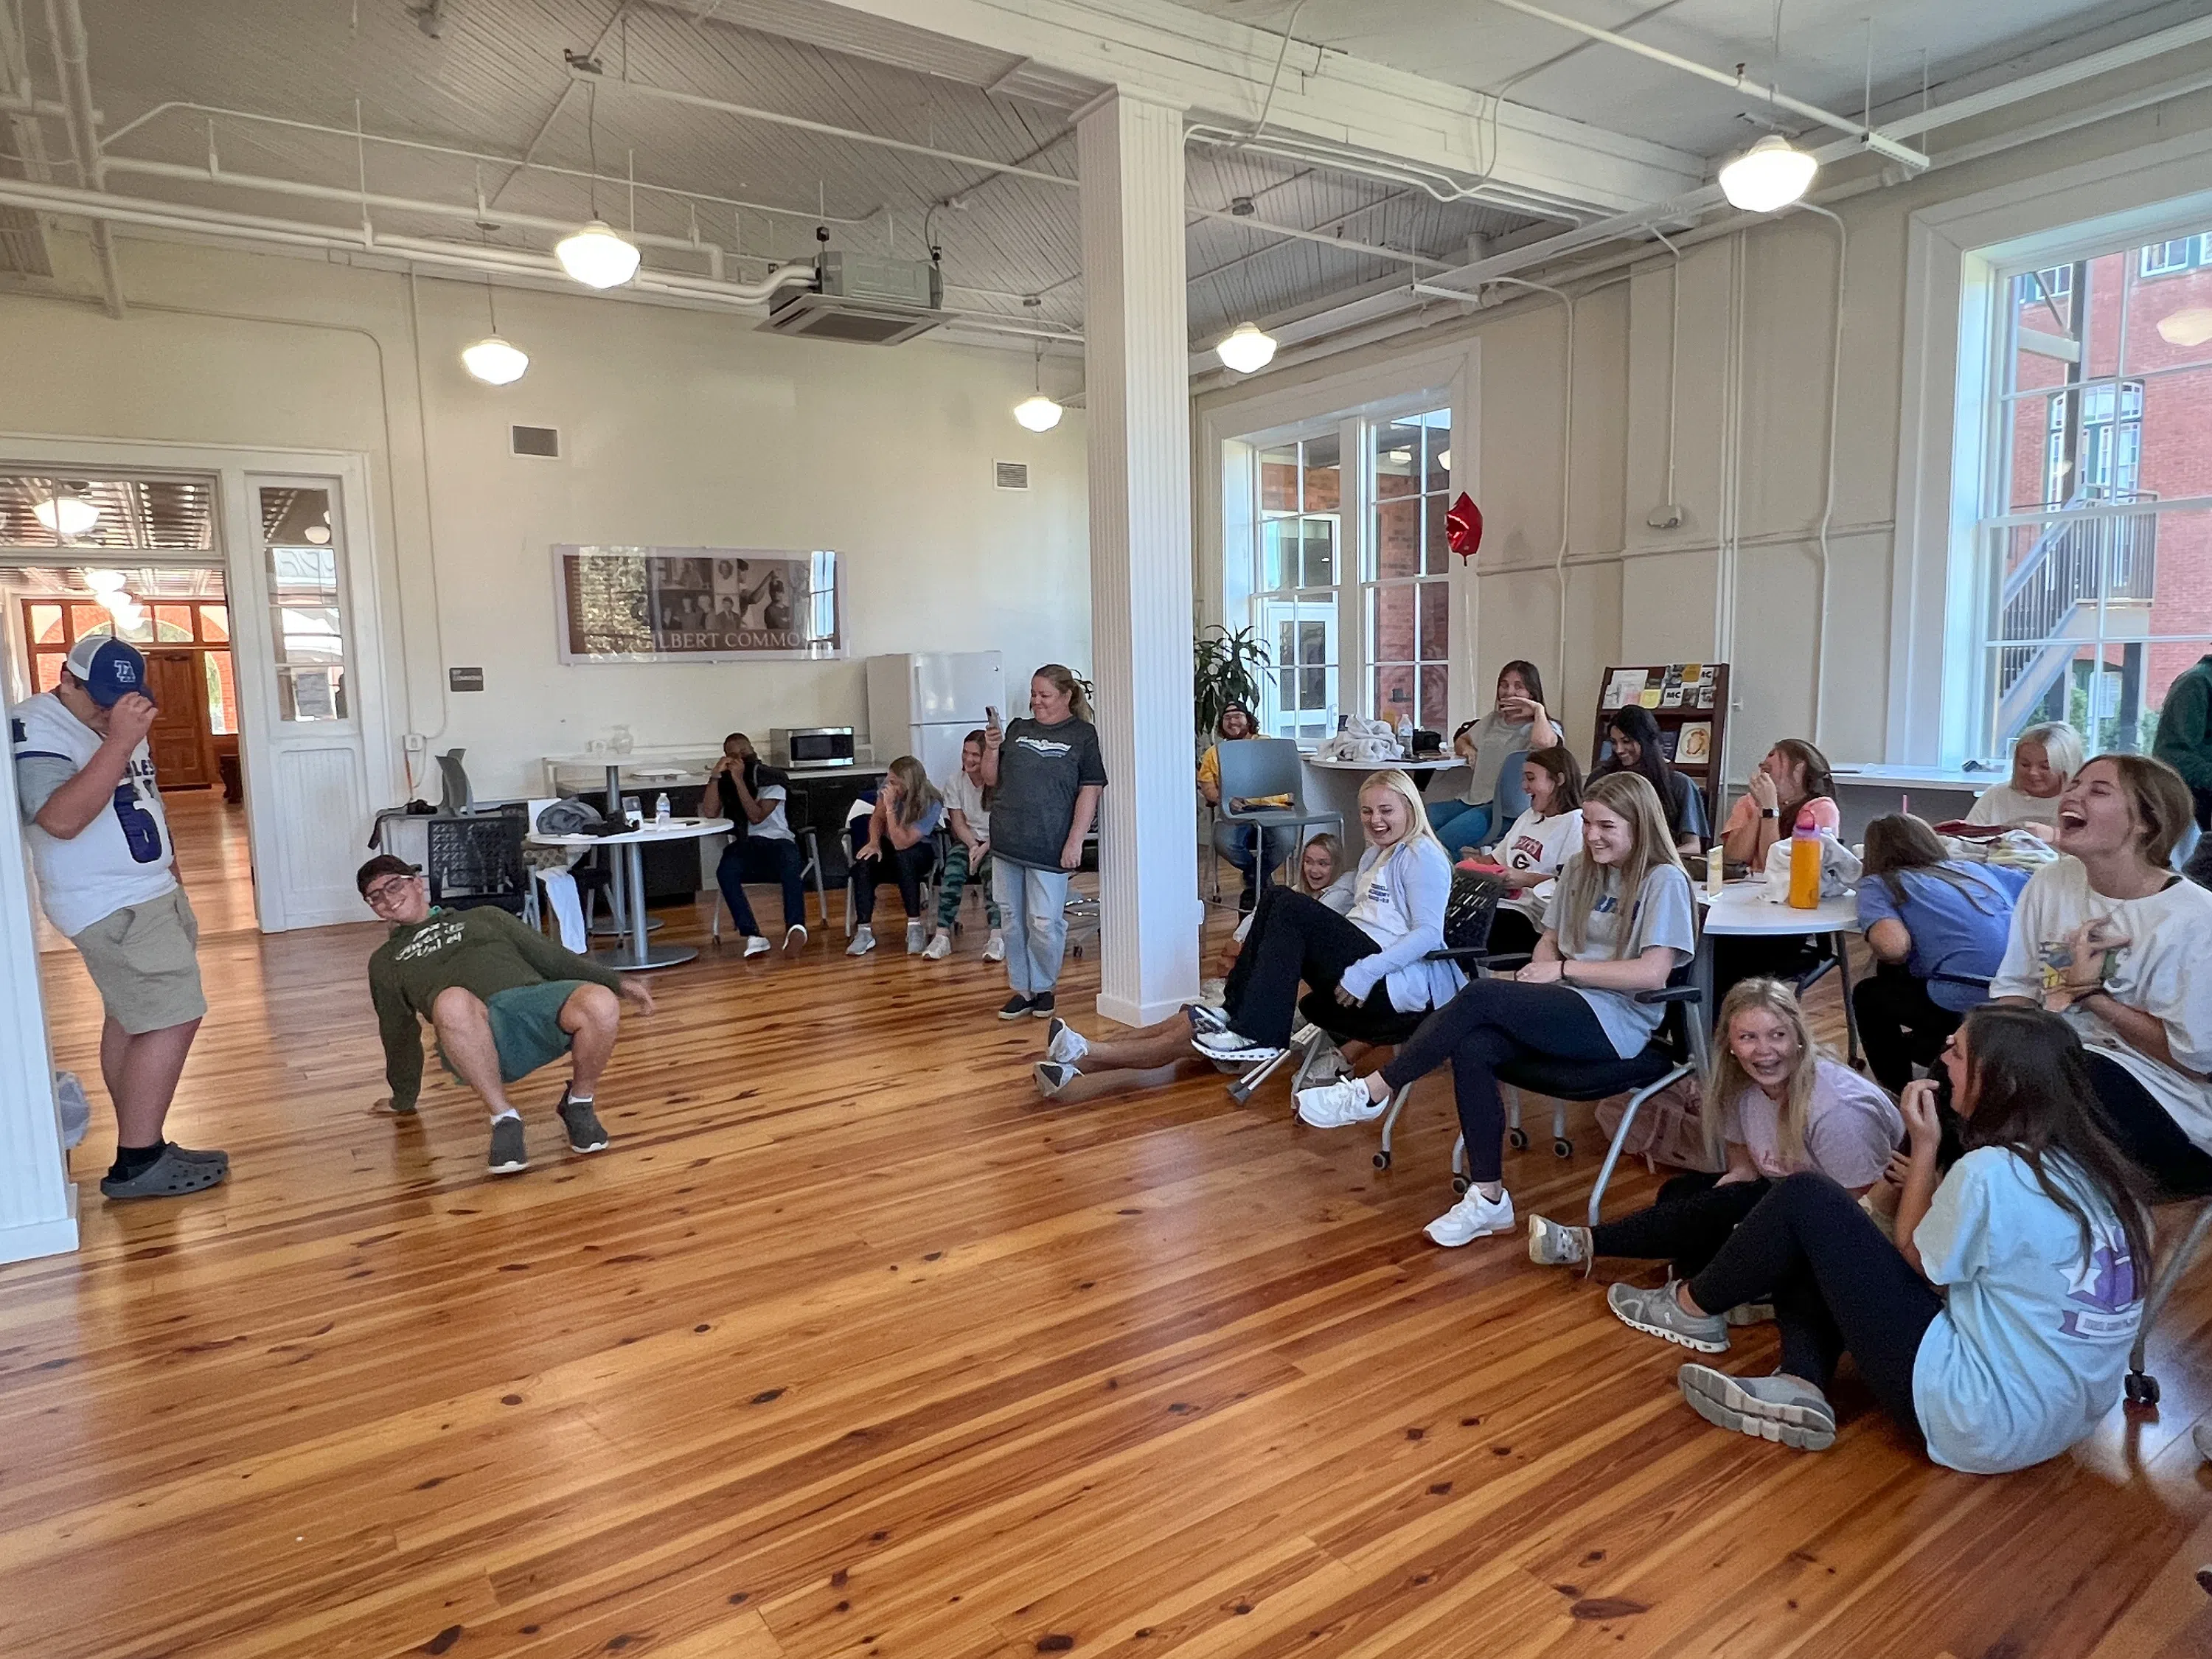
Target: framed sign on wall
(698,603)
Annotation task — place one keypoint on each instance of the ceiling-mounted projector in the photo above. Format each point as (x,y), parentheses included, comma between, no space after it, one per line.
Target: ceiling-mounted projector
(868,302)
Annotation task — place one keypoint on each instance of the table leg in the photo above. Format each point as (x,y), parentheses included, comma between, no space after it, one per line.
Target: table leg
(1839,944)
(634,861)
(637,953)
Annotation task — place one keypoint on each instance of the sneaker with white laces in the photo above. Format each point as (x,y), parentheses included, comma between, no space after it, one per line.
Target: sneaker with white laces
(863,941)
(1339,1105)
(1551,1245)
(794,937)
(1474,1216)
(995,948)
(1777,1408)
(914,938)
(1229,1045)
(939,948)
(1064,1043)
(1657,1312)
(755,945)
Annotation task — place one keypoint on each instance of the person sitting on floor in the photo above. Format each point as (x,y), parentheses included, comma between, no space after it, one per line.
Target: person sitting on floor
(1775,1105)
(1374,957)
(1621,922)
(1996,1330)
(1148,1057)
(1536,846)
(891,827)
(2045,759)
(1516,724)
(1936,925)
(968,815)
(1632,743)
(503,998)
(2110,938)
(1253,851)
(755,798)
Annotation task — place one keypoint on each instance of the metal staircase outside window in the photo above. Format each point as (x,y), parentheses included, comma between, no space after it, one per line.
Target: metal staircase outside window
(2050,598)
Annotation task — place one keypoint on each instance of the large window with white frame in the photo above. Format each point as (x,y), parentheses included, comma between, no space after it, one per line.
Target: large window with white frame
(1405,590)
(2092,546)
(1296,583)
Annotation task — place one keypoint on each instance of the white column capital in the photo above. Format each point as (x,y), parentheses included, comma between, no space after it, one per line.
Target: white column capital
(1125,94)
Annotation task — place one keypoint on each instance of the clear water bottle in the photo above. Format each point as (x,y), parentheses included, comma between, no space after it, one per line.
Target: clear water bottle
(660,811)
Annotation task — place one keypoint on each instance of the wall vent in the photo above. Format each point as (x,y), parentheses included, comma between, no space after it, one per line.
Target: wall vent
(1011,475)
(541,441)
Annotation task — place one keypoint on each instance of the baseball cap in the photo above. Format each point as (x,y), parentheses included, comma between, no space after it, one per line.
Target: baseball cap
(383,865)
(109,669)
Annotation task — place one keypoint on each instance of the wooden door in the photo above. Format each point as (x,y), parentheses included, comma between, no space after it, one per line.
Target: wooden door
(180,739)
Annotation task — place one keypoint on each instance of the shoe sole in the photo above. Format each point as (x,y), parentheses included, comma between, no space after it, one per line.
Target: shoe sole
(1695,1344)
(1462,1243)
(1239,1056)
(1720,1401)
(507,1169)
(1043,1013)
(1012,1013)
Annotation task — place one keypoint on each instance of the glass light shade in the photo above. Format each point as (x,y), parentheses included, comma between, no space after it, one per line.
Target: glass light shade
(1038,414)
(494,361)
(66,515)
(1768,175)
(2189,328)
(596,256)
(1247,350)
(106,583)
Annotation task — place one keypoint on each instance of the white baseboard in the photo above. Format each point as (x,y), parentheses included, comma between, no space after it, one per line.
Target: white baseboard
(39,1238)
(1126,1012)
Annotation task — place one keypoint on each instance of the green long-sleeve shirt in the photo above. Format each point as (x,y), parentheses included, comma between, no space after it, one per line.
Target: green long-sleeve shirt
(2183,740)
(483,950)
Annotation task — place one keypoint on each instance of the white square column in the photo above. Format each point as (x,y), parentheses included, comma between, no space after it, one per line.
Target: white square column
(1137,394)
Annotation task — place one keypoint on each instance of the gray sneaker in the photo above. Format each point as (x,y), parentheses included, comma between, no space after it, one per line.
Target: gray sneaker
(509,1156)
(1551,1245)
(1657,1313)
(166,1176)
(585,1133)
(1777,1408)
(1750,1313)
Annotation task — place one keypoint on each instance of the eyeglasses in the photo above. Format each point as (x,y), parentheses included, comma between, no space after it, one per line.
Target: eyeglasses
(382,893)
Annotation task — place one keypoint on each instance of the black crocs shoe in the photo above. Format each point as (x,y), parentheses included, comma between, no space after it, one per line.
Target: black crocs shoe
(166,1176)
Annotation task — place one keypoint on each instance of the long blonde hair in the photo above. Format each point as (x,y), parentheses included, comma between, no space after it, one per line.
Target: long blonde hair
(1630,796)
(917,794)
(1328,844)
(1417,812)
(1729,1079)
(1063,679)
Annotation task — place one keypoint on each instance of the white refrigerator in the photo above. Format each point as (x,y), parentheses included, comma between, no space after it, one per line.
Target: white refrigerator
(923,703)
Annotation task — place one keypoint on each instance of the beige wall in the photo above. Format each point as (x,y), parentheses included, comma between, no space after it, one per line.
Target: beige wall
(679,428)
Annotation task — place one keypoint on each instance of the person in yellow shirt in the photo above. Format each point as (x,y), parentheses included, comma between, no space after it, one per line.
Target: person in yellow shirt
(1235,841)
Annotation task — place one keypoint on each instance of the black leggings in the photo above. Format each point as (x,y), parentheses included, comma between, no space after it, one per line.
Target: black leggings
(1492,1022)
(2148,1135)
(1900,1024)
(906,865)
(1293,938)
(1838,1287)
(1512,935)
(1694,1218)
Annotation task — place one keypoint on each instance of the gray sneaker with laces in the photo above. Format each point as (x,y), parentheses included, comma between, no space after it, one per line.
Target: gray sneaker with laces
(510,1153)
(1657,1313)
(1777,1408)
(1551,1245)
(585,1133)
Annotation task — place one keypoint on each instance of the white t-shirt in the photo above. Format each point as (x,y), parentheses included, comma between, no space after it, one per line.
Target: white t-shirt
(2026,1356)
(775,826)
(2007,805)
(1850,1128)
(964,794)
(121,857)
(2165,970)
(1663,912)
(1535,843)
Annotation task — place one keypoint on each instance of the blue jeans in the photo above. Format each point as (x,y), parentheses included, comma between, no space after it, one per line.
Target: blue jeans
(1035,906)
(1457,824)
(1235,842)
(757,858)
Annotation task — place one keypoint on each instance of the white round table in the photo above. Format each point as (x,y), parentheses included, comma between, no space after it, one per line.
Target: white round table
(1744,911)
(639,953)
(1332,786)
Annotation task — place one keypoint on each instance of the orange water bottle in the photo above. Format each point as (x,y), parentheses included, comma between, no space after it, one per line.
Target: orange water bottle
(1805,865)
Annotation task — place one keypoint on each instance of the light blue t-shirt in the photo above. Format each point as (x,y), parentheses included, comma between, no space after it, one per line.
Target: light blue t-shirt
(2027,1355)
(1663,914)
(1954,931)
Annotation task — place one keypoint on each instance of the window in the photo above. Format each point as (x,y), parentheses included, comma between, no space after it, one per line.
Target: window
(1405,590)
(2172,259)
(1295,591)
(200,626)
(2110,458)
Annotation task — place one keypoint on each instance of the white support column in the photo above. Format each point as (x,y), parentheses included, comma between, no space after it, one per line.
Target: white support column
(38,1206)
(1136,383)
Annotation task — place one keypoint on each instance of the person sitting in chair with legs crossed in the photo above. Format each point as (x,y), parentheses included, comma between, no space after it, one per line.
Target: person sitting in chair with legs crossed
(503,998)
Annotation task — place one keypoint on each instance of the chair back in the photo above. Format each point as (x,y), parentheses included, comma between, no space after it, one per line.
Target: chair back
(1511,800)
(1471,909)
(1681,1033)
(1253,767)
(477,859)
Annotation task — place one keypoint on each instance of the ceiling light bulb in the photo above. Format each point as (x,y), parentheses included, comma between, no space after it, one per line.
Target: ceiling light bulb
(2189,327)
(66,515)
(596,256)
(1038,413)
(104,582)
(494,361)
(1247,350)
(1768,175)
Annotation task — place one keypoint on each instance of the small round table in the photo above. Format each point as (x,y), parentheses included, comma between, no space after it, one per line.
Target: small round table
(1744,911)
(639,954)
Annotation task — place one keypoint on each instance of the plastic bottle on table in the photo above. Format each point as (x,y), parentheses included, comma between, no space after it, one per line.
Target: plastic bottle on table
(660,811)
(1805,867)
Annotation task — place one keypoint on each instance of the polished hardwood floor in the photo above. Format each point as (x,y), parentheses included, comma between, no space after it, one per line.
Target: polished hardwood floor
(213,856)
(850,1346)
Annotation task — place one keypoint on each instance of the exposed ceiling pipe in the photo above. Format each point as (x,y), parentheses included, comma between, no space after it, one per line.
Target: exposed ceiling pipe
(1398,256)
(1437,185)
(560,101)
(65,25)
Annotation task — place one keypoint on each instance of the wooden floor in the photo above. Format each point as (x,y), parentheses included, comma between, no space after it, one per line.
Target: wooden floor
(850,1347)
(213,857)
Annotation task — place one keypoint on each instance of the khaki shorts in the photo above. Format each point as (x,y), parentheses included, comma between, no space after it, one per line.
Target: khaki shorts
(144,959)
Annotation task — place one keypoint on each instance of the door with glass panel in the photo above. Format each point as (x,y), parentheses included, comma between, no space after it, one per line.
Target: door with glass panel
(1295,600)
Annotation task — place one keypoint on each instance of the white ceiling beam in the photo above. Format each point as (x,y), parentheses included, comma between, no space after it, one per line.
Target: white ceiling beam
(1219,69)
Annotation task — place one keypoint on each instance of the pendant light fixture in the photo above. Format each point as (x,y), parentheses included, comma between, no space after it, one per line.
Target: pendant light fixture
(66,513)
(1246,350)
(594,255)
(1038,412)
(1768,176)
(492,360)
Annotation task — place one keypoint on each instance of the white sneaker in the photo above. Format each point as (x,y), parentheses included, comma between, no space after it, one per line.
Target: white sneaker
(1227,1045)
(863,941)
(755,945)
(1050,1078)
(1337,1104)
(794,937)
(914,938)
(939,948)
(1064,1043)
(1474,1216)
(995,950)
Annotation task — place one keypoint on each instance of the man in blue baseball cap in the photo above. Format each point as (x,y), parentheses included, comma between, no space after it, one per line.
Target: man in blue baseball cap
(108,878)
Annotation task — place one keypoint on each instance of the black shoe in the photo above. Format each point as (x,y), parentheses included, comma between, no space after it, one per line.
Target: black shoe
(1016,1006)
(1041,1006)
(1245,902)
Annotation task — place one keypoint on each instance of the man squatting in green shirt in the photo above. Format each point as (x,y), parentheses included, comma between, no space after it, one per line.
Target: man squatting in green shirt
(503,998)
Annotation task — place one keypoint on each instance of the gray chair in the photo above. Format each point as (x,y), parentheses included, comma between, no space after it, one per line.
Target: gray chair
(1257,767)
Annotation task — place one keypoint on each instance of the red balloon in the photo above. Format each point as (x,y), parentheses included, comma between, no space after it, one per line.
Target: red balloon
(1463,527)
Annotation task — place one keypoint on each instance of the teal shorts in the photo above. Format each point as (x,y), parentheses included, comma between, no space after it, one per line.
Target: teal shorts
(525,1027)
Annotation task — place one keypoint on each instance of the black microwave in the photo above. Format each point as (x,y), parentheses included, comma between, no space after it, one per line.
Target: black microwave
(811,745)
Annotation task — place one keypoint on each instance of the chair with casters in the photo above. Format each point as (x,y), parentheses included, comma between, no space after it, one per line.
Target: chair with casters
(2140,1386)
(1258,768)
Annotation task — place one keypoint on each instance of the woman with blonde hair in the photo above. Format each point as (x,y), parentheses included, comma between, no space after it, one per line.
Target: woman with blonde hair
(1775,1105)
(1619,922)
(892,842)
(2045,759)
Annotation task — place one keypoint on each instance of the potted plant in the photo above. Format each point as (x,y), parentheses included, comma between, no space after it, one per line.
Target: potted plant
(1225,669)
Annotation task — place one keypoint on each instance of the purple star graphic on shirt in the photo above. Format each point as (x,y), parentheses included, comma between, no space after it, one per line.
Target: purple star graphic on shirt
(2104,1288)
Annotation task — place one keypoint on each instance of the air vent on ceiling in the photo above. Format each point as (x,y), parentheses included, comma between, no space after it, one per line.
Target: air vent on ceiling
(1011,475)
(542,441)
(862,300)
